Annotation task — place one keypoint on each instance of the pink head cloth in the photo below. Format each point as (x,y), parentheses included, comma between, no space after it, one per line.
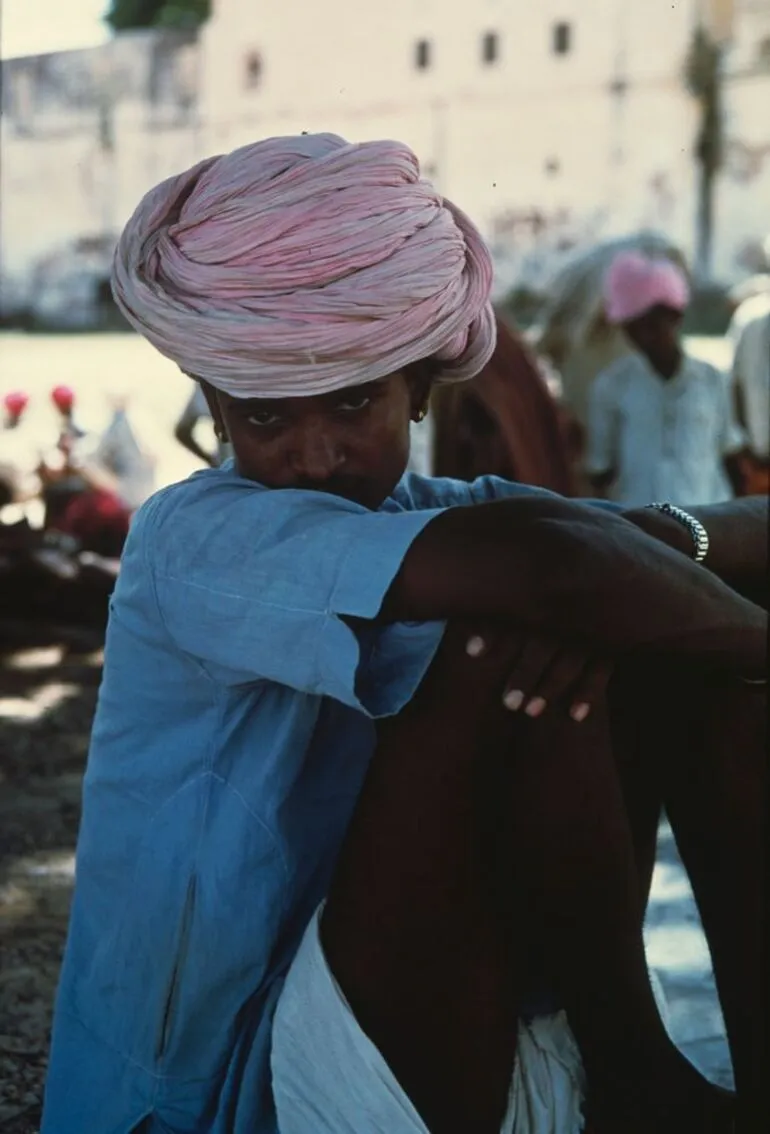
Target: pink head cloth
(299,265)
(634,283)
(63,398)
(16,402)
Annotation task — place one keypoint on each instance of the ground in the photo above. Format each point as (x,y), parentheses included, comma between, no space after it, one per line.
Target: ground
(47,698)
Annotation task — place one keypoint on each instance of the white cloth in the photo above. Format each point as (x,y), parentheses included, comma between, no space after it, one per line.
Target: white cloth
(328,1078)
(750,335)
(421,447)
(119,451)
(664,439)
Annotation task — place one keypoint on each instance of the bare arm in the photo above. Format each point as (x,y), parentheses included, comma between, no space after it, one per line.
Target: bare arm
(558,565)
(739,537)
(184,432)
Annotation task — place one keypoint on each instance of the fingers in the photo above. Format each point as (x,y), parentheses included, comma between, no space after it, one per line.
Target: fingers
(523,689)
(543,672)
(573,675)
(590,687)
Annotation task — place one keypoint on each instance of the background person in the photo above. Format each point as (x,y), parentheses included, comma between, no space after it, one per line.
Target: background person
(661,424)
(750,336)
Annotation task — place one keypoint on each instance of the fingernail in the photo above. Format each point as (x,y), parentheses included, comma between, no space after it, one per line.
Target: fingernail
(535,707)
(580,712)
(513,699)
(475,646)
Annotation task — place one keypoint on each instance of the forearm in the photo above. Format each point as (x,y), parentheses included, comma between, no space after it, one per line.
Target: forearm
(186,438)
(737,530)
(558,565)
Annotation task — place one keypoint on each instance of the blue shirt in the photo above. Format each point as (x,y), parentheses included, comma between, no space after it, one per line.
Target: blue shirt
(233,731)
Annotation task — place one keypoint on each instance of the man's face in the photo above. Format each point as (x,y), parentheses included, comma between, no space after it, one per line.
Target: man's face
(352,443)
(656,333)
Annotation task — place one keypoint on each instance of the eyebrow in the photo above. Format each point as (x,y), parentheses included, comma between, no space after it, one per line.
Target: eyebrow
(248,405)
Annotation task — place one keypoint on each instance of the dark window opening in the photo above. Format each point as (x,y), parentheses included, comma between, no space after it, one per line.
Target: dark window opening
(253,70)
(422,54)
(490,48)
(562,39)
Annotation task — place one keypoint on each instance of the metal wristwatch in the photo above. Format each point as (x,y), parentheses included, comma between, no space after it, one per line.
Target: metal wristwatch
(696,529)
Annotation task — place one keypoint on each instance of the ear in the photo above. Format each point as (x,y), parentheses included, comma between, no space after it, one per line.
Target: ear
(212,401)
(419,379)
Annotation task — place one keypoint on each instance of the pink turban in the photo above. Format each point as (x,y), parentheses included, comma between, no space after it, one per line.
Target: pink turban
(634,283)
(299,265)
(16,402)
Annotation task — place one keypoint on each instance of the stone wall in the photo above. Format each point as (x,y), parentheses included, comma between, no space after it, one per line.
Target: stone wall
(84,134)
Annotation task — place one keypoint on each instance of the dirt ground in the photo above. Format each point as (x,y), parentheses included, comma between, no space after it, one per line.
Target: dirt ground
(47,699)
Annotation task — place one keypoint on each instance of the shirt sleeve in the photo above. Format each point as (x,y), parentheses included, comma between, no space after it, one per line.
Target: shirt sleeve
(732,435)
(281,586)
(602,451)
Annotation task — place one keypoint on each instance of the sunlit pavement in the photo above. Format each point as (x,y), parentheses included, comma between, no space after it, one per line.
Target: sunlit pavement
(677,953)
(101,366)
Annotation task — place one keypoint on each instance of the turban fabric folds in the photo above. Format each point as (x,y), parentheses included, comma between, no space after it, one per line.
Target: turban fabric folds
(635,283)
(300,265)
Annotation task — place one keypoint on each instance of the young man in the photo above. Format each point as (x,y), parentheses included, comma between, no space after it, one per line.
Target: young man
(283,723)
(661,424)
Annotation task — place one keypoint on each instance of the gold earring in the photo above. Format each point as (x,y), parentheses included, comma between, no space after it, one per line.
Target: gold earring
(219,434)
(422,414)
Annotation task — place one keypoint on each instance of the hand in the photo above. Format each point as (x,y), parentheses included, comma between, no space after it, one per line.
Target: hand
(544,671)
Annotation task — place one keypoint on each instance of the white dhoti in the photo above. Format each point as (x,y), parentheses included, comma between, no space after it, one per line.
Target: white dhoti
(329,1078)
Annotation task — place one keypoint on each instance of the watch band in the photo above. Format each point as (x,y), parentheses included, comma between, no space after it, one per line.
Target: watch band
(700,538)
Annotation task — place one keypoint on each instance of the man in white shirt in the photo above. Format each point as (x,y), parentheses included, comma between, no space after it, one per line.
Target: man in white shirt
(661,424)
(750,335)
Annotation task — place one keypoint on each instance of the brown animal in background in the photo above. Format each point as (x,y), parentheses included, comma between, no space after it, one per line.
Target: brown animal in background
(504,423)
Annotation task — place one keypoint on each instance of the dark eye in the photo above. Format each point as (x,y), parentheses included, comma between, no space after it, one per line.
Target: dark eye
(354,402)
(263,418)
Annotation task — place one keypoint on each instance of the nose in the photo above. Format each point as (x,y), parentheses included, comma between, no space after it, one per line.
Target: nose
(316,454)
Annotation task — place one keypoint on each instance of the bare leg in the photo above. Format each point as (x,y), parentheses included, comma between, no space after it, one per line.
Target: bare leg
(480,841)
(641,745)
(699,744)
(410,928)
(716,798)
(576,897)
